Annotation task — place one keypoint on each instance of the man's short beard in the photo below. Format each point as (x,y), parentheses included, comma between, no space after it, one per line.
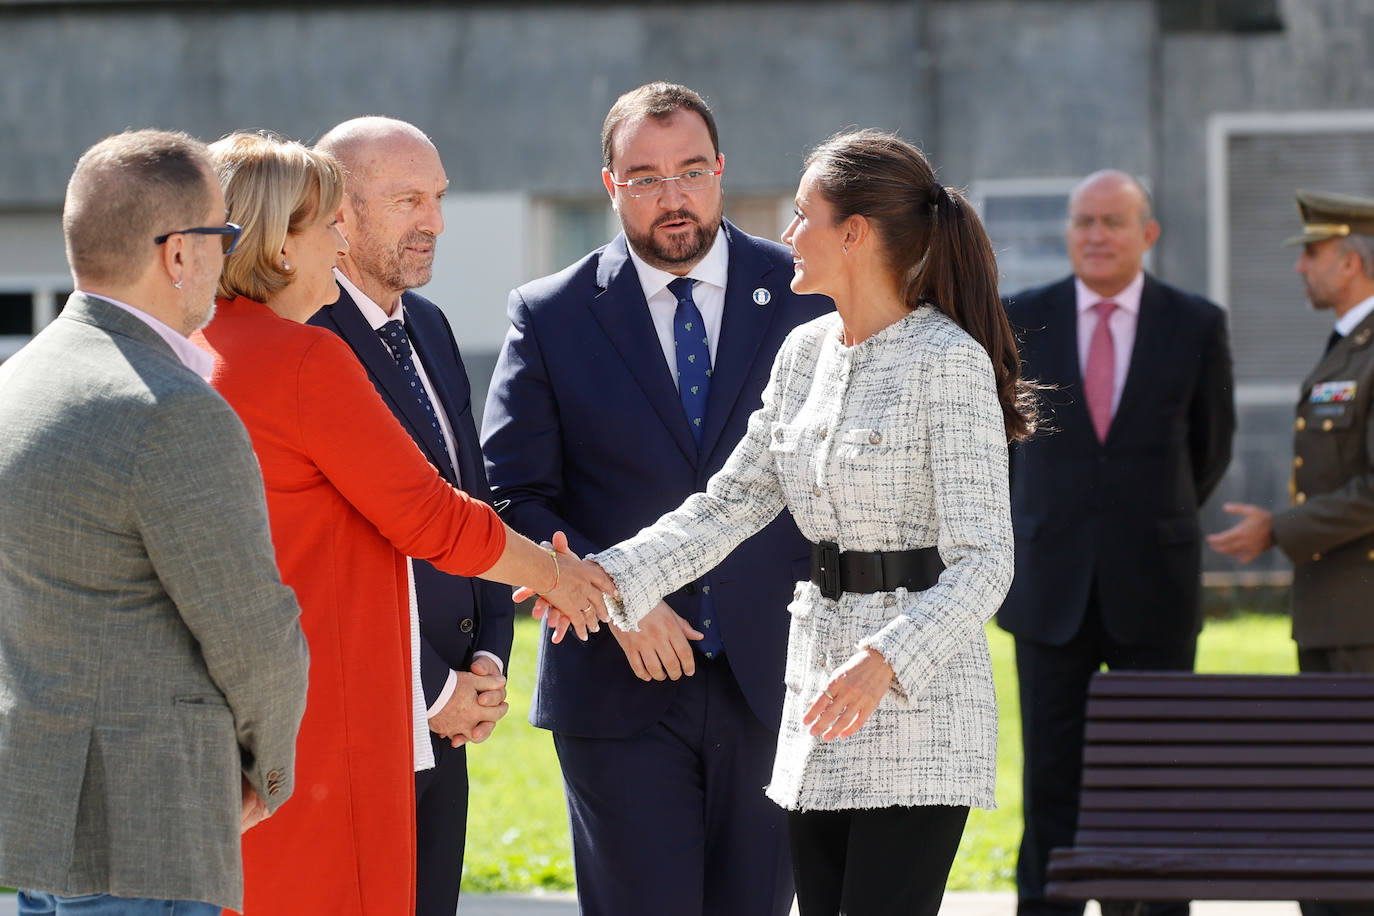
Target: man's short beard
(386,267)
(684,249)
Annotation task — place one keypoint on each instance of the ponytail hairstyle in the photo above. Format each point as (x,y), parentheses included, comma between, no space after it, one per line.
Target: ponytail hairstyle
(933,241)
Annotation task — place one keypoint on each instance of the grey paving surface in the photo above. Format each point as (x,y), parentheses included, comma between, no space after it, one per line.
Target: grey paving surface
(956,904)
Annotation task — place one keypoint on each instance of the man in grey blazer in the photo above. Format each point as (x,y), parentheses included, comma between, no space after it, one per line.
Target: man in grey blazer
(152,666)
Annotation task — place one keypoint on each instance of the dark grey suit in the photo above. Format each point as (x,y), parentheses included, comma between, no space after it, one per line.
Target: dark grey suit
(149,653)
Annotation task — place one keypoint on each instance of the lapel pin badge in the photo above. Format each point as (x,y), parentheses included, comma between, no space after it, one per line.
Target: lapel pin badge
(762,296)
(1361,338)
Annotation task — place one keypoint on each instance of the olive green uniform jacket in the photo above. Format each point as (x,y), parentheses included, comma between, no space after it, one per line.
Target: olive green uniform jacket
(1328,533)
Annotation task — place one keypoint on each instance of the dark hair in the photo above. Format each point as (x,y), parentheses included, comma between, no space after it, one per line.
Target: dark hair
(934,241)
(659,101)
(126,190)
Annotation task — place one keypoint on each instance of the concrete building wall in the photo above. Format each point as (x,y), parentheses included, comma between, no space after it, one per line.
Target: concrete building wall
(1001,93)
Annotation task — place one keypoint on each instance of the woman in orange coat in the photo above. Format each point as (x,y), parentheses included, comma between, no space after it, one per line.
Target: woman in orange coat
(350,497)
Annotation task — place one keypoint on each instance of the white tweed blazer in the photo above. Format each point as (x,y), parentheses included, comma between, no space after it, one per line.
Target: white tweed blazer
(892,444)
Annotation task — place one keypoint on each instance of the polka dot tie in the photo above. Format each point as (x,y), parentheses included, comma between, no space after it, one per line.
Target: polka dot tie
(393,334)
(693,385)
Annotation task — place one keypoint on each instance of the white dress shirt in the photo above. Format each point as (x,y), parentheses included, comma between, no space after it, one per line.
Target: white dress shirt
(711,273)
(1122,323)
(191,356)
(1351,319)
(376,317)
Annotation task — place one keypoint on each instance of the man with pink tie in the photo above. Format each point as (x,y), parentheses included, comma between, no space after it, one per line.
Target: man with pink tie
(1138,418)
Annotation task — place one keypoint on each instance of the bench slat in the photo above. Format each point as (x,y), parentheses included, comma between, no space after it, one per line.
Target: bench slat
(1227,820)
(1285,839)
(1228,777)
(1196,862)
(1315,755)
(1285,732)
(1167,889)
(1184,684)
(1150,799)
(1228,709)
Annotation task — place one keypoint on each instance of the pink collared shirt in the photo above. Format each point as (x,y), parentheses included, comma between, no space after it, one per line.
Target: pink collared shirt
(192,356)
(1122,323)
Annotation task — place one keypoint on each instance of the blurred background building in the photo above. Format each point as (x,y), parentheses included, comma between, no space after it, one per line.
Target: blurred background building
(1222,107)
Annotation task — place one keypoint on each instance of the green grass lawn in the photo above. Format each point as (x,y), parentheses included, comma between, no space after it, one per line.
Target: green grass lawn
(518,826)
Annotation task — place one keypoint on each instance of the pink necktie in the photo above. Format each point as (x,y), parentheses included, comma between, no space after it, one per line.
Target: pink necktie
(1099,376)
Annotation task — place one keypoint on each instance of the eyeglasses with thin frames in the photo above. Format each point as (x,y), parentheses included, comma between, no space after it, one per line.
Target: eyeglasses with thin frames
(697,179)
(229,233)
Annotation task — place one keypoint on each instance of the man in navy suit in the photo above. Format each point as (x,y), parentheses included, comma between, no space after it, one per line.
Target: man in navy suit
(392,218)
(665,743)
(1139,417)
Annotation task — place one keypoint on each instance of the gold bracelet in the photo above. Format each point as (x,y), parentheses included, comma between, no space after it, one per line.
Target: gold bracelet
(556,574)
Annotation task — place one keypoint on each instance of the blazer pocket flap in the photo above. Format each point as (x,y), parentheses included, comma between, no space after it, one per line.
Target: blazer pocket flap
(879,440)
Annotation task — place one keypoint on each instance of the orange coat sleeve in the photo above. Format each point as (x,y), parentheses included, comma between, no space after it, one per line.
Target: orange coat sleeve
(371,460)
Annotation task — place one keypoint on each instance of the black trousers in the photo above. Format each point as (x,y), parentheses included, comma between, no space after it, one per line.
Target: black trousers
(1053,684)
(672,821)
(874,862)
(441,819)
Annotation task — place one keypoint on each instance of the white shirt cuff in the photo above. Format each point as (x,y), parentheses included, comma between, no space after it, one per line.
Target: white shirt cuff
(452,683)
(449,686)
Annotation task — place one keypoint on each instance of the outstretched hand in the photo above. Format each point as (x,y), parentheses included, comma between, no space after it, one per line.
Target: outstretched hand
(1248,538)
(576,599)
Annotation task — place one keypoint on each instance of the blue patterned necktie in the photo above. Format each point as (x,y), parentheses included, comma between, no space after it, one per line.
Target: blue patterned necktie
(693,356)
(693,385)
(393,334)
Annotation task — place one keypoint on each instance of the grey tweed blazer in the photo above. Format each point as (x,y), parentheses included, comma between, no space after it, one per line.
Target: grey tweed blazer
(893,444)
(149,653)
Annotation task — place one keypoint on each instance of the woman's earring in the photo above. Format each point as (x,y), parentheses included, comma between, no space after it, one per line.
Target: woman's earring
(177,284)
(285,266)
(846,248)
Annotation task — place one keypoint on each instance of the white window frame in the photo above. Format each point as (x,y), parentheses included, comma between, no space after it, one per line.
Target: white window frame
(1221,126)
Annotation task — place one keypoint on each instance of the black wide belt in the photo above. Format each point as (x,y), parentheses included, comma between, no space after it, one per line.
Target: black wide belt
(865,572)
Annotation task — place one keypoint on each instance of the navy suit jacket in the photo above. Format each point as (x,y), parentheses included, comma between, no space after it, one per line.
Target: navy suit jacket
(584,432)
(458,615)
(1122,513)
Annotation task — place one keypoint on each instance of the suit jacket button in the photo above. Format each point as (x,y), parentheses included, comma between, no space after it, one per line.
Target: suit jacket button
(815,491)
(465,625)
(1316,557)
(1297,461)
(274,789)
(1300,498)
(1300,424)
(889,600)
(689,589)
(777,434)
(1371,555)
(1327,425)
(875,439)
(824,432)
(273,775)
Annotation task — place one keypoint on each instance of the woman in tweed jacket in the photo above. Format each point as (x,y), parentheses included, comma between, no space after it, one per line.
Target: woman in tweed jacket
(884,428)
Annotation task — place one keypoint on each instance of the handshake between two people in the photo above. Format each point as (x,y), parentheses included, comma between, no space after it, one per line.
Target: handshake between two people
(658,650)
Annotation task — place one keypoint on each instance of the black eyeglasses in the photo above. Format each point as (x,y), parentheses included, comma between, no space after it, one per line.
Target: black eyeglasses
(229,231)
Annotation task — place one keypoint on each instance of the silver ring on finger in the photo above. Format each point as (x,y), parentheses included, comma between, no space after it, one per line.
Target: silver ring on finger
(830,696)
(587,608)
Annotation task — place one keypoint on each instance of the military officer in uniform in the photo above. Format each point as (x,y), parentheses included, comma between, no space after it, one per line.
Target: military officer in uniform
(1328,531)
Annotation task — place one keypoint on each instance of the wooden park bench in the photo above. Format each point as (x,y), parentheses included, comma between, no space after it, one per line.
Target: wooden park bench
(1224,787)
